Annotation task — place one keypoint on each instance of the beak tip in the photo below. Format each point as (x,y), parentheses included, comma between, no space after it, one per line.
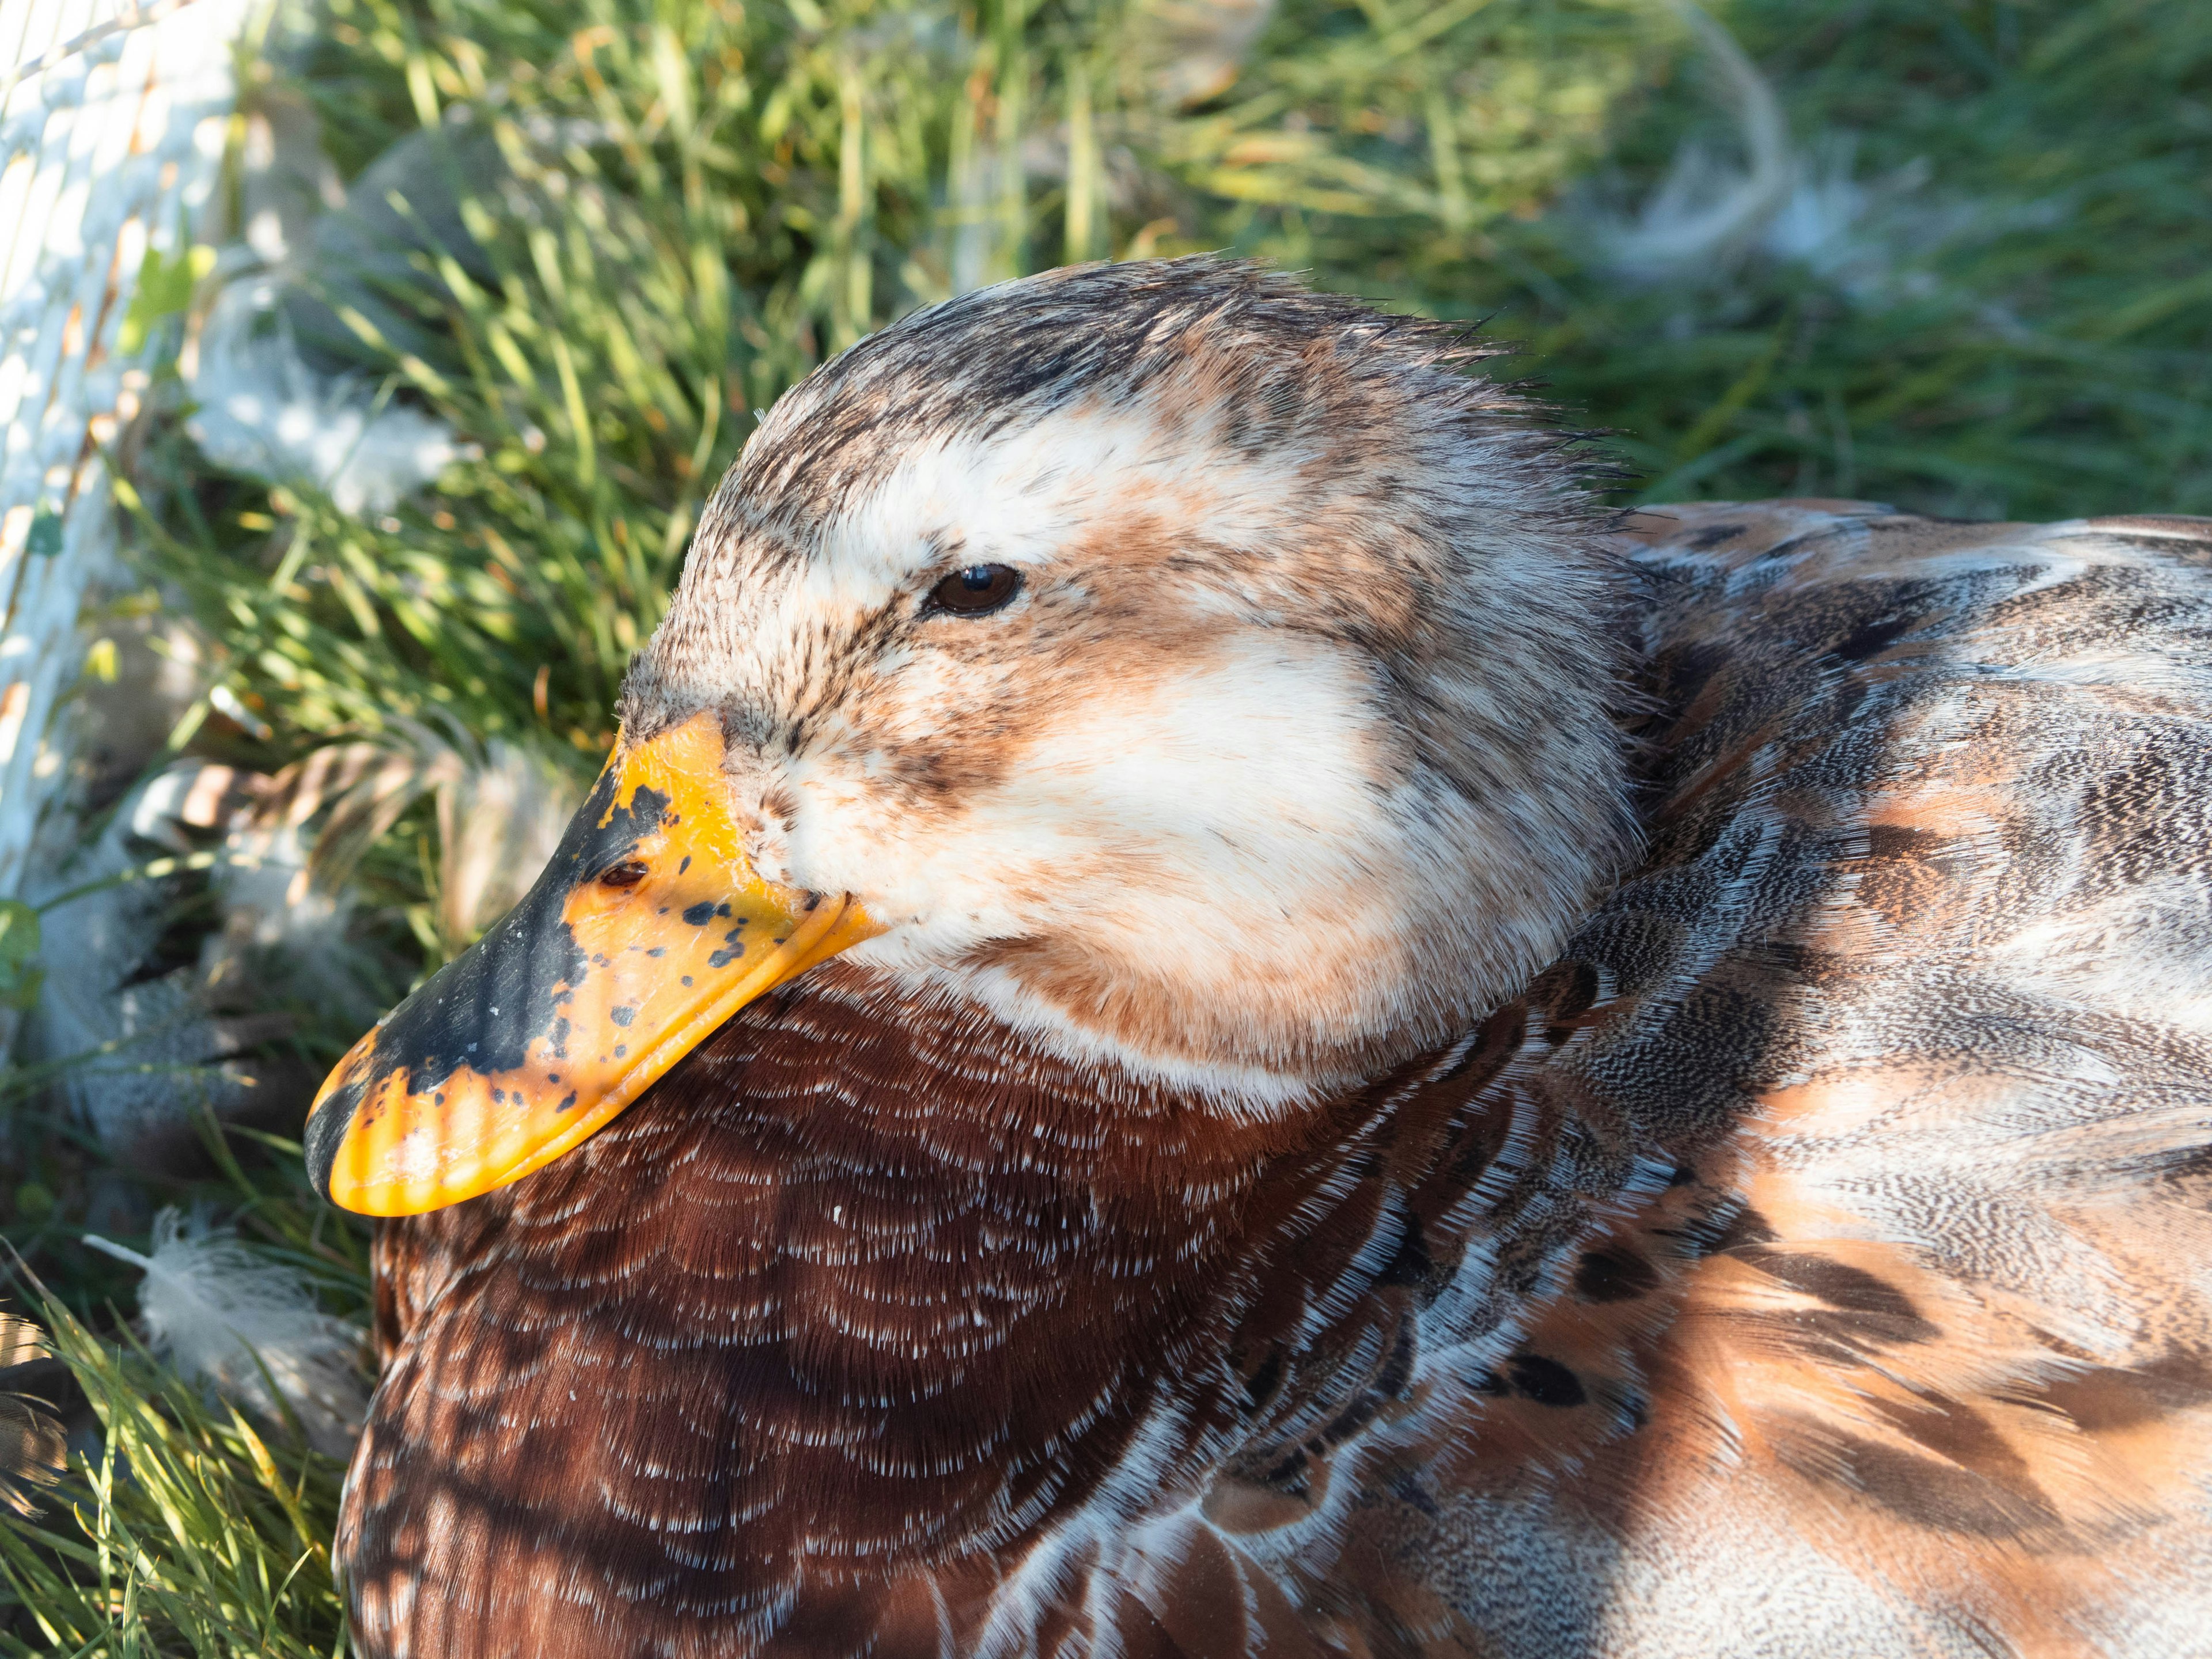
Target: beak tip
(325,1132)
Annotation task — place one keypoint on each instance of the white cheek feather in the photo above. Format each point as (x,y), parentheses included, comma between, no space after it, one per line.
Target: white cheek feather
(1235,784)
(1218,829)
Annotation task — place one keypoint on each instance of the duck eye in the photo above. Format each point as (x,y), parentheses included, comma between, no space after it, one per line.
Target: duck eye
(977,591)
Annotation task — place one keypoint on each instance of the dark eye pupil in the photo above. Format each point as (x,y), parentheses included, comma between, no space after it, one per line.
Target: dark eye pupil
(976,591)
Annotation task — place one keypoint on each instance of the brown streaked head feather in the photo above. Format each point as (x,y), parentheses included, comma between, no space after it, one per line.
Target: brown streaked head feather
(1311,639)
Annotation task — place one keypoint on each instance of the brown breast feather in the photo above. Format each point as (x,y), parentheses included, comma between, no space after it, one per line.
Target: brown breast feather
(1810,1261)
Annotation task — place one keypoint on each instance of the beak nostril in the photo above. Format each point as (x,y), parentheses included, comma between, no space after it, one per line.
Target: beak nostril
(626,874)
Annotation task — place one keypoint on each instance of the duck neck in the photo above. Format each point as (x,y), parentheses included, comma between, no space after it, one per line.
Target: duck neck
(987,1260)
(866,1289)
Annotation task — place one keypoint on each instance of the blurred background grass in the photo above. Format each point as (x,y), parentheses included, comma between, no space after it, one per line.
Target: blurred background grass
(536,265)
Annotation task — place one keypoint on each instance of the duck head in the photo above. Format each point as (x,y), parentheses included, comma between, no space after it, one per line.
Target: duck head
(1196,675)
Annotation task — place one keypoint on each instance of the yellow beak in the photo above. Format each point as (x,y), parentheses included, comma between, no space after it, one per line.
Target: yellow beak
(646,931)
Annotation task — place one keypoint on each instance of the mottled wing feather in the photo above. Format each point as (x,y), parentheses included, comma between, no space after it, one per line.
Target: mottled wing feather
(1915,1355)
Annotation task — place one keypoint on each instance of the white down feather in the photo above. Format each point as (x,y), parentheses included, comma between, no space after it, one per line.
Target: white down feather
(234,1321)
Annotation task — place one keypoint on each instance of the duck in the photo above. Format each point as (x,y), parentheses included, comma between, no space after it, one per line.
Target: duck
(1205,1013)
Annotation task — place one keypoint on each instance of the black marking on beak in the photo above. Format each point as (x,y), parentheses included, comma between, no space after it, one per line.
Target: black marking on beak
(325,1131)
(484,1009)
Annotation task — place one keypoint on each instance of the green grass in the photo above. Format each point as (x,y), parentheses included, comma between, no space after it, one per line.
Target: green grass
(2059,360)
(182,1525)
(191,1529)
(675,208)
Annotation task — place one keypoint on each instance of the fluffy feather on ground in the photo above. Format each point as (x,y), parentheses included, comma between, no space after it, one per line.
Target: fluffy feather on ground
(238,1323)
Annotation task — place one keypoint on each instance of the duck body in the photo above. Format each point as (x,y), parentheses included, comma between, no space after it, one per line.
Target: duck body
(1810,1258)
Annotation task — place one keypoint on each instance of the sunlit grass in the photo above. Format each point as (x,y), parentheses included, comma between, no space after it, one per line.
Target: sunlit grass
(182,1524)
(189,1529)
